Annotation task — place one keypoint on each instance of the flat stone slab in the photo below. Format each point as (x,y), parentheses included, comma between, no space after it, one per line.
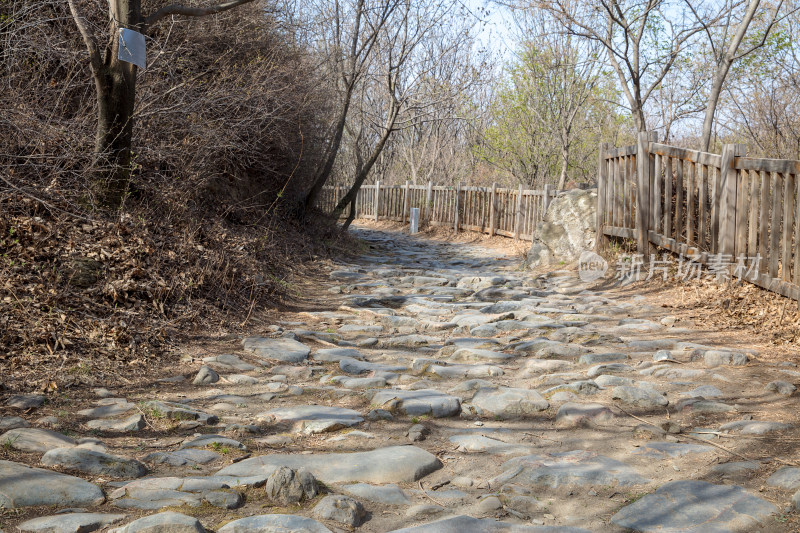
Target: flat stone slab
(466,371)
(167,522)
(468,524)
(507,402)
(354,366)
(228,361)
(94,462)
(639,396)
(212,440)
(314,418)
(26,401)
(577,467)
(696,507)
(786,477)
(132,423)
(178,411)
(23,486)
(70,523)
(286,350)
(277,523)
(418,402)
(189,456)
(390,494)
(35,439)
(393,464)
(753,427)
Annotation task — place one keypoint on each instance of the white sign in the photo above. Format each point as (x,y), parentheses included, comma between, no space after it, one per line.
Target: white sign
(132,47)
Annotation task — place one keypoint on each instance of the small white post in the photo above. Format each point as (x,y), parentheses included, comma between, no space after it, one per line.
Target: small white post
(414,222)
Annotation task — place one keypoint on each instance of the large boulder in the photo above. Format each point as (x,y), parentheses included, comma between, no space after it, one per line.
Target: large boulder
(568,228)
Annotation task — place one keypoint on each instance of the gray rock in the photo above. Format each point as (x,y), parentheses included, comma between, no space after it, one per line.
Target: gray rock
(178,411)
(697,405)
(753,427)
(475,354)
(417,432)
(579,467)
(786,477)
(241,379)
(695,507)
(354,366)
(287,486)
(224,499)
(609,368)
(393,464)
(662,355)
(783,388)
(167,522)
(182,457)
(13,422)
(26,401)
(509,402)
(35,440)
(314,418)
(418,402)
(580,414)
(286,350)
(389,494)
(715,358)
(132,423)
(613,381)
(567,229)
(468,524)
(70,522)
(274,523)
(379,414)
(94,462)
(735,467)
(108,410)
(639,396)
(341,509)
(359,383)
(23,486)
(212,440)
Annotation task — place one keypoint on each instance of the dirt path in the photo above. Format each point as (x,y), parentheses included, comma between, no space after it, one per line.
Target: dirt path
(444,389)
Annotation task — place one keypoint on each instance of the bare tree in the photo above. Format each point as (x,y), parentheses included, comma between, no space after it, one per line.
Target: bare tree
(115,87)
(642,39)
(346,40)
(724,43)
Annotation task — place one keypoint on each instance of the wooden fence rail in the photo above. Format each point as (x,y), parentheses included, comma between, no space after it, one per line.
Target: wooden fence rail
(493,210)
(727,210)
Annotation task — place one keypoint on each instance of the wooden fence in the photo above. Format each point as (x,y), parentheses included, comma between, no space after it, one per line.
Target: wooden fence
(725,210)
(493,210)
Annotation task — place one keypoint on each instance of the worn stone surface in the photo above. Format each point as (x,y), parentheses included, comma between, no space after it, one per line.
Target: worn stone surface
(287,350)
(418,402)
(70,522)
(578,467)
(23,486)
(567,230)
(35,439)
(340,509)
(692,506)
(166,522)
(94,462)
(509,402)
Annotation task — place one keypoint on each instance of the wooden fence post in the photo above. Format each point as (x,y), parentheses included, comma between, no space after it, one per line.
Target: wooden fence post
(643,193)
(727,198)
(493,209)
(405,203)
(518,214)
(377,199)
(428,201)
(455,207)
(600,240)
(546,200)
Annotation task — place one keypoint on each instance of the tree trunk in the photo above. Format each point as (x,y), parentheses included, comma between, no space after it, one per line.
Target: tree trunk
(116,94)
(350,216)
(562,179)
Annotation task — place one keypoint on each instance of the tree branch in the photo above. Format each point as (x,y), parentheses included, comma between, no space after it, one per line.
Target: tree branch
(91,44)
(186,11)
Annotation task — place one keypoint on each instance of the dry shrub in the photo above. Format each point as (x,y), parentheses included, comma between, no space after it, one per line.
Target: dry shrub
(229,115)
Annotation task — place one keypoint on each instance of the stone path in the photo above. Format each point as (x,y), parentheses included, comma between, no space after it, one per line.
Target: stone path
(443,390)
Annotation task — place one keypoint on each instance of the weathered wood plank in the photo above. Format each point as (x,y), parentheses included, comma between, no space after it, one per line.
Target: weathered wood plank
(691,216)
(668,199)
(679,199)
(788,221)
(782,166)
(763,225)
(775,224)
(752,216)
(658,200)
(742,202)
(703,212)
(685,154)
